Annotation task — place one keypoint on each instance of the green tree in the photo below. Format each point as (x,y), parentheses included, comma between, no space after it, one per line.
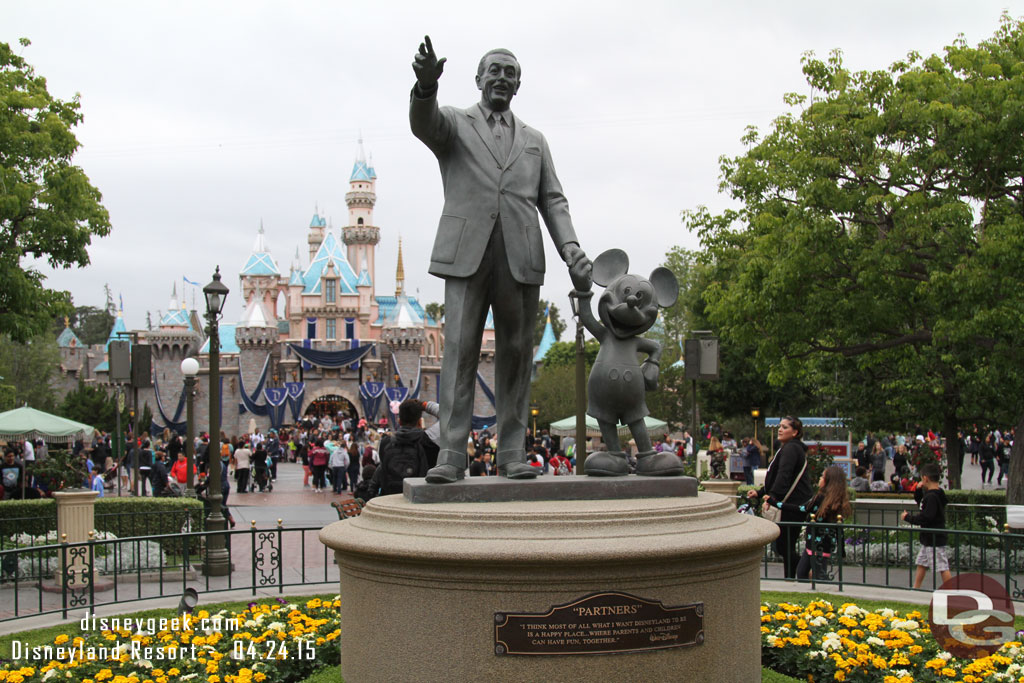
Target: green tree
(92,405)
(48,208)
(554,393)
(875,252)
(740,385)
(557,324)
(435,311)
(564,353)
(30,368)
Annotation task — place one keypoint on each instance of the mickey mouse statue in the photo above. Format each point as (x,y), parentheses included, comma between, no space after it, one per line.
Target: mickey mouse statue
(615,391)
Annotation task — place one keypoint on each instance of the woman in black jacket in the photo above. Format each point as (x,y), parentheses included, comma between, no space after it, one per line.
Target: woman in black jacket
(788,472)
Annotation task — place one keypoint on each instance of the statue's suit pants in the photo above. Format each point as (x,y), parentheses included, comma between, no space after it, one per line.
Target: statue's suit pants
(465,311)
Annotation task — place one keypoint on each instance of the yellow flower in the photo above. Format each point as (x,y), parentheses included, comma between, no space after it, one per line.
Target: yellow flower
(61,639)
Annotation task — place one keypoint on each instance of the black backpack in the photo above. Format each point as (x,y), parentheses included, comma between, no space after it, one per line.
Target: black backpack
(400,458)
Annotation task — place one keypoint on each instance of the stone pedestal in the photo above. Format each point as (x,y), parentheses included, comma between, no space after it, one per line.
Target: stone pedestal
(423,587)
(725,487)
(75,519)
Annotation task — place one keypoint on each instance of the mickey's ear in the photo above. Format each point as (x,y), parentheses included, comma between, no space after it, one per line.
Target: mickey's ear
(610,265)
(666,287)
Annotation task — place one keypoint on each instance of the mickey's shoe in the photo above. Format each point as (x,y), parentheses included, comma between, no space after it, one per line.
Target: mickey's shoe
(655,464)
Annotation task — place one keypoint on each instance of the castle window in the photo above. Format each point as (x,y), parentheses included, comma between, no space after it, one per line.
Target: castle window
(359,221)
(330,291)
(332,328)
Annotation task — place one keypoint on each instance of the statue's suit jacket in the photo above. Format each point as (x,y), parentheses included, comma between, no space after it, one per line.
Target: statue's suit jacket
(479,187)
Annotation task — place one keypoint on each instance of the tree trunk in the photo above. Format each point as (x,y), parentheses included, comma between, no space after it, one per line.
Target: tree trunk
(953,448)
(1015,482)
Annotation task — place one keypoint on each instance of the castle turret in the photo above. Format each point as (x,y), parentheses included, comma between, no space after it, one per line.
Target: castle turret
(317,228)
(261,275)
(171,342)
(360,235)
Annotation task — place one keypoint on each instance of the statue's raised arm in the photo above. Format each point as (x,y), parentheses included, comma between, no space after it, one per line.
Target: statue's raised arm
(427,67)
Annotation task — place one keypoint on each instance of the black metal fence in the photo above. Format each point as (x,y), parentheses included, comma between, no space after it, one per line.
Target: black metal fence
(885,556)
(58,578)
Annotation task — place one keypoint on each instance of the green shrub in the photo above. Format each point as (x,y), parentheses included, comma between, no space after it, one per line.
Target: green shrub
(122,517)
(34,517)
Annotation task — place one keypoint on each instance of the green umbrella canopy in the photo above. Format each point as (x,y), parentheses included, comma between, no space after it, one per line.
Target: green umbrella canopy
(567,427)
(28,423)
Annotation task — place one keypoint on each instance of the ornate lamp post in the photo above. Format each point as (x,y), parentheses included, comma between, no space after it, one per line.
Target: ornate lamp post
(189,369)
(218,562)
(755,413)
(534,412)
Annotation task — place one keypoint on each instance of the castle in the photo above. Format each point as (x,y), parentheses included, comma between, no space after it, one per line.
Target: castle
(339,346)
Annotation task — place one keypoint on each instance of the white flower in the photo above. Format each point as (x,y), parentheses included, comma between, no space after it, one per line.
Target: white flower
(901,673)
(876,641)
(853,611)
(249,623)
(944,656)
(887,613)
(771,640)
(275,626)
(49,674)
(145,663)
(907,625)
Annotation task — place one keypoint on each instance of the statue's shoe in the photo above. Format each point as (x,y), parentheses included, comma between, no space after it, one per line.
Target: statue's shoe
(518,470)
(606,464)
(655,464)
(445,474)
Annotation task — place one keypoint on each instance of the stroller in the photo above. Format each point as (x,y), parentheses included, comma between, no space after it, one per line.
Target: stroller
(261,475)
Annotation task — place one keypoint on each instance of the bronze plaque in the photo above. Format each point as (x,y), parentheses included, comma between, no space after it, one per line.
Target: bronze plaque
(599,623)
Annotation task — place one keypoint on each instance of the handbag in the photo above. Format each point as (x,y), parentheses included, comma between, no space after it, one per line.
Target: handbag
(774,514)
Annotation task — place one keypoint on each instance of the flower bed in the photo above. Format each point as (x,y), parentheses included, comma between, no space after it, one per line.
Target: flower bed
(821,643)
(273,643)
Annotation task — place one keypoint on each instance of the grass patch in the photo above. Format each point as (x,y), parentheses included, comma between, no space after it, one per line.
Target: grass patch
(44,636)
(769,676)
(329,674)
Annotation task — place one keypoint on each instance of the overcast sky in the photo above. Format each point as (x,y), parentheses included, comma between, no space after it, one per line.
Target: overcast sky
(204,118)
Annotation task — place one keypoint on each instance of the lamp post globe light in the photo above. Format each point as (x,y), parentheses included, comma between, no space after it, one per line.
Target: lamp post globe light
(218,562)
(189,370)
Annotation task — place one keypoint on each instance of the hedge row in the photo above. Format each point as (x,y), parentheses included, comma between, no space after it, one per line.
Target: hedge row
(120,516)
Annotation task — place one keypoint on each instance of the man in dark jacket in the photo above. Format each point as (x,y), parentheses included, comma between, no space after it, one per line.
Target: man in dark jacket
(409,452)
(932,500)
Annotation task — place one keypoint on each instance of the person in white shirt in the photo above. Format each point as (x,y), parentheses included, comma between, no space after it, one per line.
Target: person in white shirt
(338,463)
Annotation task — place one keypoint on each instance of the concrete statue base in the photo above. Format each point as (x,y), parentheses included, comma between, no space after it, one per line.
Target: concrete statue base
(614,590)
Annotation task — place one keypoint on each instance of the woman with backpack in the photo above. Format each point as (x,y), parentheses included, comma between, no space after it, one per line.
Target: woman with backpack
(829,505)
